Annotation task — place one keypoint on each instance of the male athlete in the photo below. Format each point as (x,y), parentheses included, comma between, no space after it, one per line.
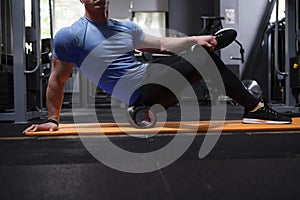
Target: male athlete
(102,46)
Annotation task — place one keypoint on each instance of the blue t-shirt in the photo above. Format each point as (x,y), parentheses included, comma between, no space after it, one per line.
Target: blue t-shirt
(104,52)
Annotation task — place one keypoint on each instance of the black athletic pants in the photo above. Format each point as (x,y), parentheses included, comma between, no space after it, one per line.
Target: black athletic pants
(156,94)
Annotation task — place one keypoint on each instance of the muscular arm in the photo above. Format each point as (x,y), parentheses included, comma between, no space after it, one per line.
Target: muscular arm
(55,92)
(175,44)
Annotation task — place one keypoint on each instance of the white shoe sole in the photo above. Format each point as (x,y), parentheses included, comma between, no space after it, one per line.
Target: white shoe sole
(261,121)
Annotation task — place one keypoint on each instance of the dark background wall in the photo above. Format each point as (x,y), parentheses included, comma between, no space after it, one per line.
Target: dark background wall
(185,15)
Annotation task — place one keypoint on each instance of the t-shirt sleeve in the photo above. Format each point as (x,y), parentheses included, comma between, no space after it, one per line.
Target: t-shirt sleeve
(137,32)
(65,46)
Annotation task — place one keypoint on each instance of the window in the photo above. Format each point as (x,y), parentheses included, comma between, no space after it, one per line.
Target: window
(65,12)
(281,11)
(152,22)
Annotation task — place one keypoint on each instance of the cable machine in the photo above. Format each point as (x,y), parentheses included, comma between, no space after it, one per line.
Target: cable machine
(293,51)
(24,64)
(290,71)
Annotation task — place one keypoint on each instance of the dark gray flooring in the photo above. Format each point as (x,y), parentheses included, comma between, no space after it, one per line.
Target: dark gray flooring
(241,166)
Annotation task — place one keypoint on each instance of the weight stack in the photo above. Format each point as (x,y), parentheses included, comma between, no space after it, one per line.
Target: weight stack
(6,91)
(295,72)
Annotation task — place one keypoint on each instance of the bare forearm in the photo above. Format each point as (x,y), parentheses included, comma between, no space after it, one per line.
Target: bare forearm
(55,95)
(60,73)
(176,45)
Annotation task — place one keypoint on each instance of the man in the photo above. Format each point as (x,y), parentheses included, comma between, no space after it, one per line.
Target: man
(114,42)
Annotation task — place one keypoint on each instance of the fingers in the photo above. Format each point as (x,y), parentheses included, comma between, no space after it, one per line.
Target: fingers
(35,128)
(41,127)
(210,46)
(212,43)
(32,128)
(53,128)
(208,41)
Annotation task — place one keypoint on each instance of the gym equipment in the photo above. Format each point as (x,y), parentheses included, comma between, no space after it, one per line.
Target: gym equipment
(212,25)
(24,64)
(168,127)
(141,117)
(254,88)
(225,37)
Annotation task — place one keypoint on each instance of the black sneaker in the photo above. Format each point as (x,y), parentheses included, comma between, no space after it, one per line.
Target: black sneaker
(141,117)
(265,115)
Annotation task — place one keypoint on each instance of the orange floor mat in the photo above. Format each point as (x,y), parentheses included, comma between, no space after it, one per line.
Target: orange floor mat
(168,127)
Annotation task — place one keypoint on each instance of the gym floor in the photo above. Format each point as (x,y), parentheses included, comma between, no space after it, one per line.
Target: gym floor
(242,165)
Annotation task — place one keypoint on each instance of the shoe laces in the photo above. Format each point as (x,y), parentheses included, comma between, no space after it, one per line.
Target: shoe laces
(268,110)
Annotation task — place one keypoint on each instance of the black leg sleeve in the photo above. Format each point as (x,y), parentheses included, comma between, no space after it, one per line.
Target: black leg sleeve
(156,94)
(233,86)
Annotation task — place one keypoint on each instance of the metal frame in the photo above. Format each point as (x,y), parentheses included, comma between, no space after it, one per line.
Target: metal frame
(290,44)
(20,114)
(291,32)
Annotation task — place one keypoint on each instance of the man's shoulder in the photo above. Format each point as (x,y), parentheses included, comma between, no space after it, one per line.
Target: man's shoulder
(76,28)
(126,23)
